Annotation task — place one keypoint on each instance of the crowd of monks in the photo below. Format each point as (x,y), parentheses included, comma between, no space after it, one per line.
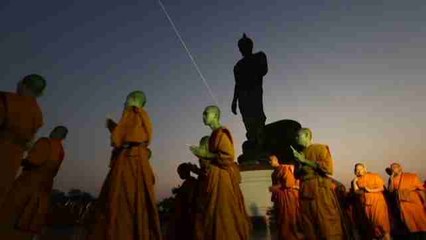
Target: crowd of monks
(309,204)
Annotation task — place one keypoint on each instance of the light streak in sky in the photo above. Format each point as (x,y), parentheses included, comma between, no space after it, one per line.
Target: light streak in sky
(188,52)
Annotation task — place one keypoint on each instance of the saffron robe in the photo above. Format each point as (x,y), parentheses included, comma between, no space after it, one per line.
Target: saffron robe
(286,202)
(225,216)
(413,212)
(319,207)
(20,119)
(27,203)
(126,207)
(375,205)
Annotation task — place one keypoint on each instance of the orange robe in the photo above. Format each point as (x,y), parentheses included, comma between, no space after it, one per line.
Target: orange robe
(375,205)
(286,202)
(126,207)
(20,118)
(26,205)
(184,210)
(320,212)
(412,208)
(225,215)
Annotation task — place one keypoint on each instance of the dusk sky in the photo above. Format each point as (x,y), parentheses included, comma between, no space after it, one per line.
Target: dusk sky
(352,71)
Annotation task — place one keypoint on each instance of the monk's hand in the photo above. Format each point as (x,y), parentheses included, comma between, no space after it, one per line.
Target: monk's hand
(195,150)
(234,107)
(110,124)
(300,157)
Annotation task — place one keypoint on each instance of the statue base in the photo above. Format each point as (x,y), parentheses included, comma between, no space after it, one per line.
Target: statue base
(255,181)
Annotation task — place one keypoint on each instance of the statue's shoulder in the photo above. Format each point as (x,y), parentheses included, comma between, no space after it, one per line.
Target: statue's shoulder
(260,54)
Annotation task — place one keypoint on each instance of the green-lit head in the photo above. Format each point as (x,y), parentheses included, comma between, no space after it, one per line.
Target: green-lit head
(32,85)
(304,137)
(135,99)
(59,132)
(211,115)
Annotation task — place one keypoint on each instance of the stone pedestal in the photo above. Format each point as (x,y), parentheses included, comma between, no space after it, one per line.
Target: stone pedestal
(255,181)
(254,185)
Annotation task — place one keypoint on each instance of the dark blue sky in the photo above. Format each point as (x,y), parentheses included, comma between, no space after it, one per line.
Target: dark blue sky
(353,71)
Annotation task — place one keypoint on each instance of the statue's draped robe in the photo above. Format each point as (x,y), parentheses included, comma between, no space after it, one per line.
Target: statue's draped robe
(183,216)
(374,204)
(126,207)
(27,203)
(225,215)
(413,213)
(248,73)
(286,202)
(20,118)
(320,211)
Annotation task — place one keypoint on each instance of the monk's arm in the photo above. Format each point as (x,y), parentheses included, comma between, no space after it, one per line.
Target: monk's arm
(275,187)
(420,190)
(147,123)
(225,151)
(378,186)
(111,125)
(375,190)
(390,185)
(38,154)
(325,163)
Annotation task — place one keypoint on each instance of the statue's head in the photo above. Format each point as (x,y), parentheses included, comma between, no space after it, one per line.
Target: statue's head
(245,45)
(184,171)
(304,137)
(59,132)
(211,115)
(360,169)
(31,85)
(135,99)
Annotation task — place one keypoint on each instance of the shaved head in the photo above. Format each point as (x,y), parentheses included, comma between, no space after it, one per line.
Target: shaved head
(307,132)
(59,132)
(135,99)
(360,169)
(34,83)
(213,109)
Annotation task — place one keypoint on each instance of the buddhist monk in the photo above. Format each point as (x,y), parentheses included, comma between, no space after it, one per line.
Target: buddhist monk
(200,200)
(27,203)
(225,216)
(411,198)
(285,196)
(20,118)
(320,212)
(126,207)
(184,204)
(370,187)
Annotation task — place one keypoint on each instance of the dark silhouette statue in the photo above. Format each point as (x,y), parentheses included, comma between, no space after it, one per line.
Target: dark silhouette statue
(248,92)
